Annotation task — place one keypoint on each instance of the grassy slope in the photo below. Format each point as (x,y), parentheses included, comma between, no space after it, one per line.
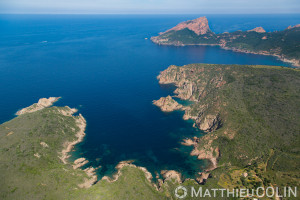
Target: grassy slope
(24,176)
(260,107)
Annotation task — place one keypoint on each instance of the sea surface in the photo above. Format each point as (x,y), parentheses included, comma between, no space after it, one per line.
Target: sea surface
(105,66)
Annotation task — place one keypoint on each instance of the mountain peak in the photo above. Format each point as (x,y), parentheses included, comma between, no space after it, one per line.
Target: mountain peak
(258,30)
(199,26)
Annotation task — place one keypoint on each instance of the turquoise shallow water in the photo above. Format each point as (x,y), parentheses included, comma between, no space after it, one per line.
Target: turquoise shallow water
(103,65)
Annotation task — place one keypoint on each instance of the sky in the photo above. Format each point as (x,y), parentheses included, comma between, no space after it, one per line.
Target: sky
(150,6)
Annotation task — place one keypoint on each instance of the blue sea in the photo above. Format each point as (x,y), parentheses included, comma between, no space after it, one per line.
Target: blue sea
(104,66)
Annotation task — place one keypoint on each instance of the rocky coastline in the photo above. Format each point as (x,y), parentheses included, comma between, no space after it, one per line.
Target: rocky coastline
(42,103)
(207,122)
(206,37)
(68,145)
(167,104)
(294,62)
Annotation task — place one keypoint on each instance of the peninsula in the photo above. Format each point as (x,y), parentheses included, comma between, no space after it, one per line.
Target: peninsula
(250,116)
(35,164)
(282,44)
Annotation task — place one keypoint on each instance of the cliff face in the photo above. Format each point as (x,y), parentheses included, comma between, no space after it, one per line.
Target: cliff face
(189,89)
(243,111)
(199,26)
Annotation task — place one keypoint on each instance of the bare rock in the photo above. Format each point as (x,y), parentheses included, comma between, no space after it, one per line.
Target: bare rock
(199,26)
(296,26)
(167,104)
(79,163)
(171,175)
(258,30)
(42,103)
(209,123)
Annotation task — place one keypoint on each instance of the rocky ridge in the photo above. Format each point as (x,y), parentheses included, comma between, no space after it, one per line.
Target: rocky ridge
(199,26)
(258,30)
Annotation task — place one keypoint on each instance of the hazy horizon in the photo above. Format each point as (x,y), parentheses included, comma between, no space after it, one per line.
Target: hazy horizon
(149,7)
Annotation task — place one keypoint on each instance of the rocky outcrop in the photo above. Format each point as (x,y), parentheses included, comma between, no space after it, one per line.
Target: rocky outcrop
(190,87)
(209,123)
(190,141)
(170,175)
(42,103)
(258,30)
(68,145)
(236,41)
(79,162)
(195,83)
(207,152)
(296,26)
(185,90)
(88,182)
(199,26)
(168,76)
(167,104)
(203,176)
(122,164)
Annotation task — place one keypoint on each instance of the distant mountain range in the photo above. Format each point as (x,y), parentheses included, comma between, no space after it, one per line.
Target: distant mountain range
(283,44)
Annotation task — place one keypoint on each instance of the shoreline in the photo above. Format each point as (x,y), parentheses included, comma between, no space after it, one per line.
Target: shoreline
(201,154)
(81,124)
(295,63)
(207,152)
(119,168)
(41,104)
(78,163)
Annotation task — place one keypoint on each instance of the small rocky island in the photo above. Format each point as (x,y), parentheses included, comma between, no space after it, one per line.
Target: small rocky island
(282,44)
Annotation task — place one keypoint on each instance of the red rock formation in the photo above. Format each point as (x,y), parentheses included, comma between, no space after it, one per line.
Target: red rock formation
(199,26)
(258,30)
(296,26)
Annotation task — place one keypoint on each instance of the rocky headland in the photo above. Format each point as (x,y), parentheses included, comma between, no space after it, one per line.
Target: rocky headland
(193,89)
(282,44)
(199,26)
(167,104)
(68,145)
(219,93)
(42,103)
